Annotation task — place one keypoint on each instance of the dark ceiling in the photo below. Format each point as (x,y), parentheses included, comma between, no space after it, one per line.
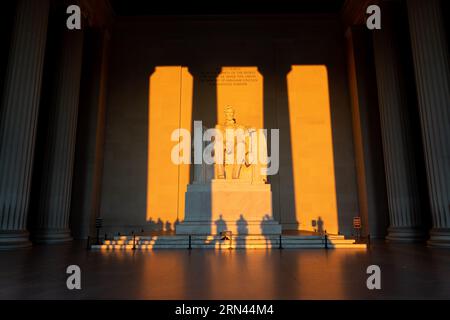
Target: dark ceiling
(223,7)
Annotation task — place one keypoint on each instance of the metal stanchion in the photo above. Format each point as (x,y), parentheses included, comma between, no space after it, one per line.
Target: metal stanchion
(227,235)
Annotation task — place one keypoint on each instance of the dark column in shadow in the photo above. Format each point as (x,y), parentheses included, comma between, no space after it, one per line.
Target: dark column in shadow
(413,106)
(51,57)
(88,162)
(369,153)
(342,138)
(6,25)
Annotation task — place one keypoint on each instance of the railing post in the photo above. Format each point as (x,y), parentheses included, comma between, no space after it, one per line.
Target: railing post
(326,241)
(134,241)
(98,226)
(190,244)
(280,245)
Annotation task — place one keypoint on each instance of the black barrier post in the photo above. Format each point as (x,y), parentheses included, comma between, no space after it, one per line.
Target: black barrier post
(326,241)
(280,245)
(88,243)
(227,235)
(357,227)
(134,241)
(190,245)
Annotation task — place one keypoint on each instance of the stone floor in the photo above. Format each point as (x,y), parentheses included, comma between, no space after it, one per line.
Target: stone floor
(408,272)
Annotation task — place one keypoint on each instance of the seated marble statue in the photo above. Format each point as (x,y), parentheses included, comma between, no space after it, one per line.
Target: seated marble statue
(229,189)
(238,151)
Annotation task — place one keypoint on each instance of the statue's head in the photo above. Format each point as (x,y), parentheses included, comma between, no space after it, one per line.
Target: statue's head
(229,113)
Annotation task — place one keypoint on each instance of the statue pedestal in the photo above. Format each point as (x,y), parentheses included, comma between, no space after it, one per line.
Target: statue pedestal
(228,205)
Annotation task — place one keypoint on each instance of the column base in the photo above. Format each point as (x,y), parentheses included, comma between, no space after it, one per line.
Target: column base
(439,238)
(405,234)
(15,239)
(49,236)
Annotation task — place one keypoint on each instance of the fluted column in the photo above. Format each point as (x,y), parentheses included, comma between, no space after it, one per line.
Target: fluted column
(19,109)
(431,62)
(398,144)
(54,209)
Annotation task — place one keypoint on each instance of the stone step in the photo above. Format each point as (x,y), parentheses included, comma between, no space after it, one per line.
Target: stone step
(130,238)
(200,237)
(247,237)
(348,246)
(226,246)
(201,241)
(254,241)
(140,247)
(343,241)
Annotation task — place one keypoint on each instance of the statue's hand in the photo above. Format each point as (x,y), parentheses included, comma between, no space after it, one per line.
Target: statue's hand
(249,159)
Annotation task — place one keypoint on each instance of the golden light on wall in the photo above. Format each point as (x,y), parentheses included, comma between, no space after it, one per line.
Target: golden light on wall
(170,108)
(312,148)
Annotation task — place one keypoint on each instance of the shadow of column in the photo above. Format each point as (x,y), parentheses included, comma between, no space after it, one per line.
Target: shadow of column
(285,181)
(204,106)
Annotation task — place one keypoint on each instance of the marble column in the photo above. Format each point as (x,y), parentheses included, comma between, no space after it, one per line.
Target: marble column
(19,111)
(398,145)
(431,63)
(54,210)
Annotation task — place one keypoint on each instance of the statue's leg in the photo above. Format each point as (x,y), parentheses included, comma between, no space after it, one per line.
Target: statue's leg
(220,171)
(237,171)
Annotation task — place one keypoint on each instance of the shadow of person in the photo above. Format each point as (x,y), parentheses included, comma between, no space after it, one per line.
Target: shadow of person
(265,230)
(242,225)
(221,225)
(242,231)
(151,225)
(168,226)
(265,224)
(320,224)
(159,225)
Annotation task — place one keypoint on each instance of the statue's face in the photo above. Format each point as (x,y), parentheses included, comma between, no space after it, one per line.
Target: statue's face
(229,115)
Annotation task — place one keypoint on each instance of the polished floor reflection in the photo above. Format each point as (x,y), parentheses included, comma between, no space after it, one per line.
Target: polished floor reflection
(408,272)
